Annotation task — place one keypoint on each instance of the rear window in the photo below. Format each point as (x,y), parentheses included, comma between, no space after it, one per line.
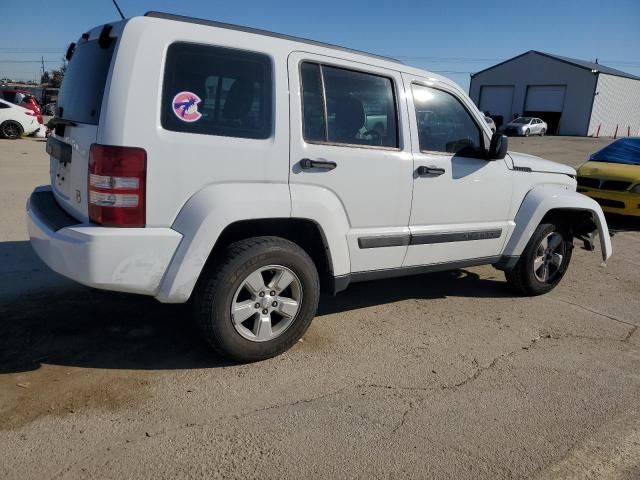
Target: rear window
(217,91)
(83,86)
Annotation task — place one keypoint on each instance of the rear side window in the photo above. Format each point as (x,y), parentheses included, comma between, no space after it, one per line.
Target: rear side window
(444,125)
(217,91)
(80,96)
(347,107)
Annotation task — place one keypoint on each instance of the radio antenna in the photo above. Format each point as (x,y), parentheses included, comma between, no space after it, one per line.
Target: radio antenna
(118,8)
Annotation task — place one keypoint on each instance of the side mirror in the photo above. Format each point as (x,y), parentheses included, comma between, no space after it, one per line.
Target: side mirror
(498,147)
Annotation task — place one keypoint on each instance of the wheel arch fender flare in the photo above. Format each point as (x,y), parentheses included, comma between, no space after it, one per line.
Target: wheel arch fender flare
(207,214)
(544,199)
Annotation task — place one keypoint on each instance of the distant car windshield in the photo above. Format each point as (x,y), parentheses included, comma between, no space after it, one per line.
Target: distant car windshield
(625,150)
(522,120)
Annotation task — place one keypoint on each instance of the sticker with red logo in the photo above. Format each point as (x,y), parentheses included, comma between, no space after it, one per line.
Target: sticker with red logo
(185,106)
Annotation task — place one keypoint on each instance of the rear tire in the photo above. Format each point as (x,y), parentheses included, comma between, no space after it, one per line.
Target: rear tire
(11,130)
(543,262)
(242,306)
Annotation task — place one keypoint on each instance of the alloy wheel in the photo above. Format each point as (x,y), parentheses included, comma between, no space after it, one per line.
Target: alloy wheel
(11,130)
(266,303)
(549,257)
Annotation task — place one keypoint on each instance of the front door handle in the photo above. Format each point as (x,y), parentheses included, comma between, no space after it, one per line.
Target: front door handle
(308,164)
(423,171)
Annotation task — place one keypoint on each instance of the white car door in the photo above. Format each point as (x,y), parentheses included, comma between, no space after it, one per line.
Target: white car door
(351,152)
(461,200)
(536,125)
(9,111)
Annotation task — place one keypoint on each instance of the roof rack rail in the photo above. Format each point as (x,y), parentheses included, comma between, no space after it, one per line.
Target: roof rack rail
(240,28)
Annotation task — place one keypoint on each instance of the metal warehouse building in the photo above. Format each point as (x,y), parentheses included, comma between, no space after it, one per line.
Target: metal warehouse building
(574,97)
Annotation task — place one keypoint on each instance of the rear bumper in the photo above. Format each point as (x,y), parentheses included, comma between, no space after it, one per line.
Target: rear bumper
(122,259)
(31,128)
(622,203)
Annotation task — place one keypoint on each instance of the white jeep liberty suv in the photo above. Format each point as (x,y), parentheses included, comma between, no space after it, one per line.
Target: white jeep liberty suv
(244,169)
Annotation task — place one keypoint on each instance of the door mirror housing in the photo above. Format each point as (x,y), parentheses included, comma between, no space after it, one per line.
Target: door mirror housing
(498,147)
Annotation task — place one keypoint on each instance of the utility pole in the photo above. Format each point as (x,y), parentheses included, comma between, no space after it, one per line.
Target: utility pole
(42,59)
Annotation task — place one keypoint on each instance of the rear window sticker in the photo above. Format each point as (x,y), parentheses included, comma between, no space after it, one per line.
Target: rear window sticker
(185,106)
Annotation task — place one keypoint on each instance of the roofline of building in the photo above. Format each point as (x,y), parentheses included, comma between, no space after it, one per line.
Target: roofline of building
(502,63)
(257,31)
(577,65)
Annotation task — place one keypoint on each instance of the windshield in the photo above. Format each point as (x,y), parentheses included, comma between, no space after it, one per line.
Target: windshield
(625,150)
(524,120)
(81,92)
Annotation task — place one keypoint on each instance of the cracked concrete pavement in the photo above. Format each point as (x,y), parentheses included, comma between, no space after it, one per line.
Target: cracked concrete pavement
(436,376)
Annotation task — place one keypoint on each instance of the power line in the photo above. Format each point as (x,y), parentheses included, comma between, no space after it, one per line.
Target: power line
(30,61)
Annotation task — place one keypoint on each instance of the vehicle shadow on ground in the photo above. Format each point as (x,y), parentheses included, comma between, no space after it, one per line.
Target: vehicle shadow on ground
(621,223)
(454,283)
(72,325)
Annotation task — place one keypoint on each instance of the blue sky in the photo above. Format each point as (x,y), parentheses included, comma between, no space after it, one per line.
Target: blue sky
(452,37)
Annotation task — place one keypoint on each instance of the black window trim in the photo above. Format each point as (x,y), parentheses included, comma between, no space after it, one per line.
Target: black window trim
(272,93)
(320,64)
(462,104)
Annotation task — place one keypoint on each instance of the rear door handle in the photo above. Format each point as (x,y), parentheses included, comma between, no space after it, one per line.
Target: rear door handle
(308,164)
(423,171)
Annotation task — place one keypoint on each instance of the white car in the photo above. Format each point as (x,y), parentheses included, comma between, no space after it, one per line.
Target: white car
(16,121)
(248,170)
(525,126)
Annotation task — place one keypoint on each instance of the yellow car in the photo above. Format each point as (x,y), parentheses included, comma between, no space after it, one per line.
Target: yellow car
(612,177)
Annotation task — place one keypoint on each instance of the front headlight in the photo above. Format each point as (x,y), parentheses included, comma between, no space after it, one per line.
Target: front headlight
(636,189)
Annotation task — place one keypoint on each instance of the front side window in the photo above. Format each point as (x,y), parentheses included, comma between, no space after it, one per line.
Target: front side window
(444,125)
(348,107)
(217,91)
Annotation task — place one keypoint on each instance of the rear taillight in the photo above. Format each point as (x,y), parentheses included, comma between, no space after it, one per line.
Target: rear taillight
(117,180)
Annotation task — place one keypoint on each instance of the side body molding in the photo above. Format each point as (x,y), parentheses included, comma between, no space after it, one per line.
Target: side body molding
(541,200)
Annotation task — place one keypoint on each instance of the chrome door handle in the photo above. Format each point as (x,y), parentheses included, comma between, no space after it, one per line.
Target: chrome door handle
(423,171)
(308,164)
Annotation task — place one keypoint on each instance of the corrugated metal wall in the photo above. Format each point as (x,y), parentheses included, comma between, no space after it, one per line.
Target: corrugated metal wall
(617,102)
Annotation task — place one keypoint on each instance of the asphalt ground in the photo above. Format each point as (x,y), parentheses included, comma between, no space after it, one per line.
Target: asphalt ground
(446,375)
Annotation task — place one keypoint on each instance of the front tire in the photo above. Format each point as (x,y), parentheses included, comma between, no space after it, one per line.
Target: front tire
(527,132)
(11,130)
(544,261)
(542,132)
(258,300)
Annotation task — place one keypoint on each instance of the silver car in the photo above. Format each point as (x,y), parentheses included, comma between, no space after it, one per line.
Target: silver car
(526,126)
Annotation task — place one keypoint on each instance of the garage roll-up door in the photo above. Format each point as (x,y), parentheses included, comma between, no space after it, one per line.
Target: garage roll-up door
(497,100)
(545,98)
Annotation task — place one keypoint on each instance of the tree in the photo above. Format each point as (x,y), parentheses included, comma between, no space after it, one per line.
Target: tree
(53,78)
(56,78)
